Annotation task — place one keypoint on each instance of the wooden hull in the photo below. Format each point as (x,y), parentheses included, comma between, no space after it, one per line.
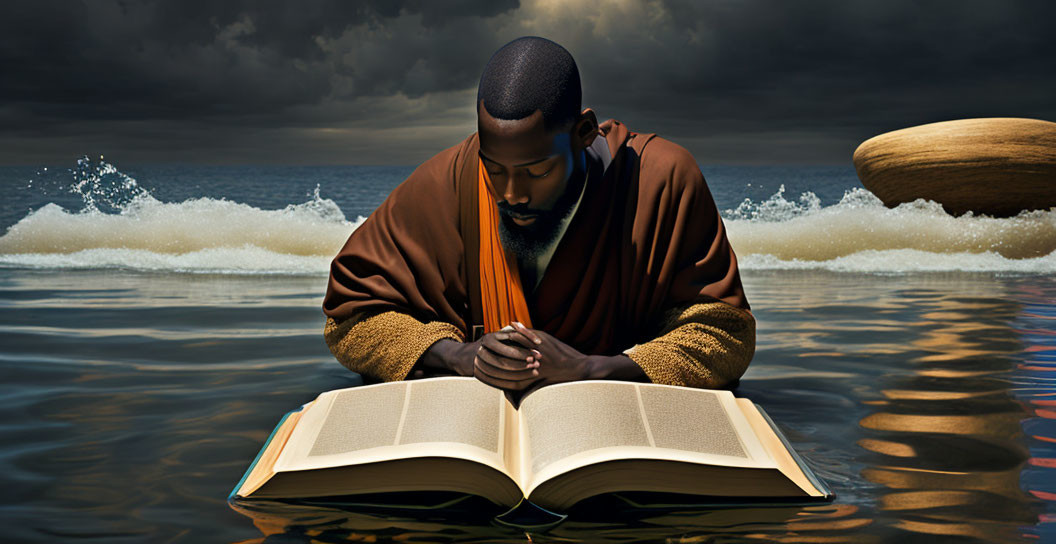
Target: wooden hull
(996,166)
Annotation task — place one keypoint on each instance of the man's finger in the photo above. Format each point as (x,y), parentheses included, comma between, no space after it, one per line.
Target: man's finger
(522,361)
(529,333)
(503,374)
(494,343)
(508,385)
(515,336)
(505,368)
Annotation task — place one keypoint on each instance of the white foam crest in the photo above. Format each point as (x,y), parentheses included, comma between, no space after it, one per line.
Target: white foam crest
(122,225)
(242,260)
(860,233)
(775,208)
(314,228)
(907,260)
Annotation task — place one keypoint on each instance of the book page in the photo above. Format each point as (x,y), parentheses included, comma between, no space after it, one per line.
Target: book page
(576,424)
(453,417)
(562,420)
(359,419)
(465,411)
(683,419)
(705,423)
(261,470)
(786,463)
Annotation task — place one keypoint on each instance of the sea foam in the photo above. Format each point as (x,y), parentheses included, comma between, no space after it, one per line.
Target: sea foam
(860,234)
(202,234)
(123,225)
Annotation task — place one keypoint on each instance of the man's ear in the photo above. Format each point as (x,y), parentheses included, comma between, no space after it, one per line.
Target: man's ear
(586,128)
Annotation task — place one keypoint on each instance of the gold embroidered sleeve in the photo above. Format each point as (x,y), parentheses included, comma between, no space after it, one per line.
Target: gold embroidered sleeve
(385,345)
(707,345)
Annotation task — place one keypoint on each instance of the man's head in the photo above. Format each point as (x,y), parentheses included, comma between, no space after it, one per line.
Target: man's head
(532,139)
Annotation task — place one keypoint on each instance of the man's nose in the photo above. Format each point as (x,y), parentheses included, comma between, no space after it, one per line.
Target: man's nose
(516,191)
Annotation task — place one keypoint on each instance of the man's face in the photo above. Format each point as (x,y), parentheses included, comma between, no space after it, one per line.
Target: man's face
(530,169)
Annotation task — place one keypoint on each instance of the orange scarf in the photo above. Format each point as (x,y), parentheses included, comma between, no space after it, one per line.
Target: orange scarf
(500,283)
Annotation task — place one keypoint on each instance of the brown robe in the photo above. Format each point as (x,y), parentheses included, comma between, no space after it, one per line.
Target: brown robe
(646,239)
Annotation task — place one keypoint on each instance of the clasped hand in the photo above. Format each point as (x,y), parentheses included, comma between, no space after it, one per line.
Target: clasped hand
(522,360)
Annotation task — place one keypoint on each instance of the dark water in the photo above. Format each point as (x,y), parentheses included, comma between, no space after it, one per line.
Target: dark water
(132,402)
(138,382)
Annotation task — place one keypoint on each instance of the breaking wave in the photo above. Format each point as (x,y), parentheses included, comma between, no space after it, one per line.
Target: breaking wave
(860,234)
(122,225)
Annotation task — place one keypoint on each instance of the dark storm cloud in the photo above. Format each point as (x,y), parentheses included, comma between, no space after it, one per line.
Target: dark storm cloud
(178,59)
(336,81)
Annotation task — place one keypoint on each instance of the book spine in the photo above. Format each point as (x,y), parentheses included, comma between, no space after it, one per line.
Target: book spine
(814,480)
(234,492)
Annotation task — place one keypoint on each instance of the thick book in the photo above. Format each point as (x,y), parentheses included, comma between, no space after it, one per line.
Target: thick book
(563,444)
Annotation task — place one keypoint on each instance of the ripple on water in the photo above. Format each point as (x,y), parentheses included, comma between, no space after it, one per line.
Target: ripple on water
(924,401)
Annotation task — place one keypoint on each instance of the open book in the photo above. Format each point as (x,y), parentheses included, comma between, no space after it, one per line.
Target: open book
(566,443)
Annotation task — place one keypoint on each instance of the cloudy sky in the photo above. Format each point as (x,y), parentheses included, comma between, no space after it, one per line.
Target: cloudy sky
(390,82)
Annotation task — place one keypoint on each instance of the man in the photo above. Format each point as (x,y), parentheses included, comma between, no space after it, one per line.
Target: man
(579,250)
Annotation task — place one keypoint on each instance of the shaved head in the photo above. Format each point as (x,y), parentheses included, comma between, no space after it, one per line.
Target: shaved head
(531,74)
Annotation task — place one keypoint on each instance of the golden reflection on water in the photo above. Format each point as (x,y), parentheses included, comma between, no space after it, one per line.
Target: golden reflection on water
(904,394)
(975,425)
(956,389)
(886,447)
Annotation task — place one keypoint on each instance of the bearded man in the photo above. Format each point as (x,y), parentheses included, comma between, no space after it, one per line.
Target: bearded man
(544,248)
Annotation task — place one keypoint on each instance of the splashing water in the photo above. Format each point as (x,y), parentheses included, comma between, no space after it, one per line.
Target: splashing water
(102,187)
(122,225)
(776,208)
(860,234)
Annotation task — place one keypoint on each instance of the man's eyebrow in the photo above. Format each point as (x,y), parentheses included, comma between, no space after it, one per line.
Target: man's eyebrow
(529,163)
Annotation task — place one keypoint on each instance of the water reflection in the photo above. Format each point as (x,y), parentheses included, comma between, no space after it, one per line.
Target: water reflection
(947,437)
(601,519)
(926,402)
